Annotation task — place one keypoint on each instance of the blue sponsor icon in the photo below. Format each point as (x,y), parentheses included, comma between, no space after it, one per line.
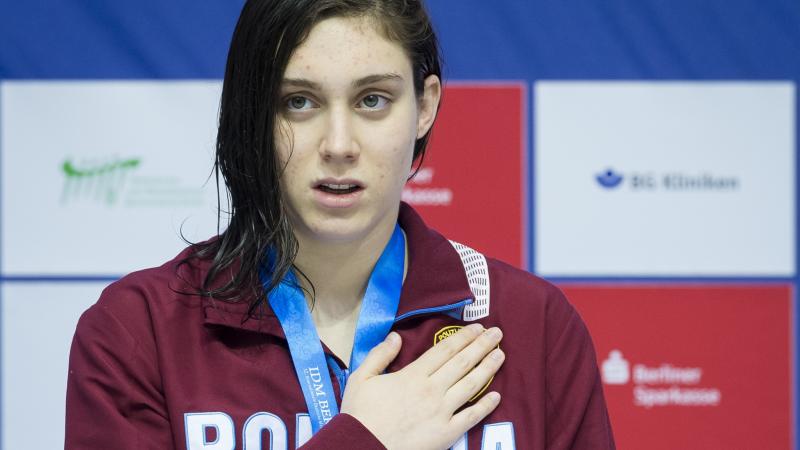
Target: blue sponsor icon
(609,179)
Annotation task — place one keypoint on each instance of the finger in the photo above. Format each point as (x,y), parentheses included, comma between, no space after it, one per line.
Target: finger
(379,357)
(473,382)
(438,355)
(466,360)
(470,417)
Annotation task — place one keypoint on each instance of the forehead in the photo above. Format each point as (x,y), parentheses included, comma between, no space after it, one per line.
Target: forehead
(342,49)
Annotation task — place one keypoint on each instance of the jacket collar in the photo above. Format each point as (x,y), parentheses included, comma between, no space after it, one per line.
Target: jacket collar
(435,278)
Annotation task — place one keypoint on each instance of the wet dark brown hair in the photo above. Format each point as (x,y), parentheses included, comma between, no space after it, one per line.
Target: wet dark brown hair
(266,34)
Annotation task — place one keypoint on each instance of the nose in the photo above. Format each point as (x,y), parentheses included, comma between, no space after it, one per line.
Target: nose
(338,141)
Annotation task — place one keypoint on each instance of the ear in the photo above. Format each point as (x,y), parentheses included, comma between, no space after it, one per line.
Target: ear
(428,105)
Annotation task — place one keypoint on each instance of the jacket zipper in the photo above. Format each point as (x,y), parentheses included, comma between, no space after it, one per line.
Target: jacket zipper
(435,309)
(343,374)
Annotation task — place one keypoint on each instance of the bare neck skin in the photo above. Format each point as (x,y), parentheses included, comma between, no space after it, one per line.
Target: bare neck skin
(340,274)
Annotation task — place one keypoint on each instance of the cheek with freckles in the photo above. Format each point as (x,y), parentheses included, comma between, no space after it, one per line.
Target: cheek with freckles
(394,144)
(398,166)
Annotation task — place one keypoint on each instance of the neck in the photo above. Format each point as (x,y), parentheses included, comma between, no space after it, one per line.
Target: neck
(339,273)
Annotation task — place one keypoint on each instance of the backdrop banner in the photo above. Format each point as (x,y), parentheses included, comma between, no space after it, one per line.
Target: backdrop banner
(693,366)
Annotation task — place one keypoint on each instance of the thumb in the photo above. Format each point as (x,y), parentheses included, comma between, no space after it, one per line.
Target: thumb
(380,356)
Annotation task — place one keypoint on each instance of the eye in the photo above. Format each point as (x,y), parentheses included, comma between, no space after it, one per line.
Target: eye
(299,103)
(374,101)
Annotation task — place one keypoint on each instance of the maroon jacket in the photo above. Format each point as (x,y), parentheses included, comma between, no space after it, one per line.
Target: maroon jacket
(152,367)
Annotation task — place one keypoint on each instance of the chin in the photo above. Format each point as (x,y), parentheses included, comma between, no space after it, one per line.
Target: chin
(346,225)
(353,228)
(337,229)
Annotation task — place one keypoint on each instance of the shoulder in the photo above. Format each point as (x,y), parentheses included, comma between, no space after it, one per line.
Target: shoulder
(127,306)
(521,290)
(519,301)
(176,278)
(505,287)
(512,295)
(508,288)
(527,302)
(504,295)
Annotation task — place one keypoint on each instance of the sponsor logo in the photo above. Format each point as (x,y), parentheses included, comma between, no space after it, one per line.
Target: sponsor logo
(662,385)
(102,181)
(609,179)
(445,333)
(616,369)
(418,191)
(114,181)
(671,181)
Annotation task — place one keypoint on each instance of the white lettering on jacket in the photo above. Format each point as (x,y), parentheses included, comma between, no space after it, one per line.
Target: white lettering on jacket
(259,422)
(498,436)
(199,426)
(209,431)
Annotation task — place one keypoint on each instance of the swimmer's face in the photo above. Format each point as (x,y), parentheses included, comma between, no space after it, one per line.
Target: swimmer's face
(347,125)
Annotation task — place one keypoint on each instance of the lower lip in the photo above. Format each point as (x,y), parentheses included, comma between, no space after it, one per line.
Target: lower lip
(337,201)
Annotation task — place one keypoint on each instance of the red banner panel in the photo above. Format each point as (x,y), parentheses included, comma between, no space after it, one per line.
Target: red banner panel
(470,186)
(693,367)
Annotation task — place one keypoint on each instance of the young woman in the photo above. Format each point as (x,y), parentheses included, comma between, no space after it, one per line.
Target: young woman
(327,315)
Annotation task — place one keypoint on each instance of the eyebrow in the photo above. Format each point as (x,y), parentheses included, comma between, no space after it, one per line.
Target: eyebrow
(376,78)
(369,79)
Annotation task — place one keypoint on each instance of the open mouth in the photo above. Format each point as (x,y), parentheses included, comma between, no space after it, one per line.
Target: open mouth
(339,189)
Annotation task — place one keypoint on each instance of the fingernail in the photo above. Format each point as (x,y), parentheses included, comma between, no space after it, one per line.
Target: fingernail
(495,333)
(497,354)
(476,328)
(393,338)
(494,397)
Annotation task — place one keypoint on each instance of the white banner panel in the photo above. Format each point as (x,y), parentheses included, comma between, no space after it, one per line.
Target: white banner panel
(664,178)
(98,177)
(38,322)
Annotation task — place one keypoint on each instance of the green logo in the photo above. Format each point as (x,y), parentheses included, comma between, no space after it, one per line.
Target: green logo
(126,183)
(102,182)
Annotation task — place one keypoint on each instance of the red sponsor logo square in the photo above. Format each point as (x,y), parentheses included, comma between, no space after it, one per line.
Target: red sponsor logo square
(693,367)
(470,186)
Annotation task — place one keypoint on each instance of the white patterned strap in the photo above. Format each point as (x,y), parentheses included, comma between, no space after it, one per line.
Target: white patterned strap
(478,277)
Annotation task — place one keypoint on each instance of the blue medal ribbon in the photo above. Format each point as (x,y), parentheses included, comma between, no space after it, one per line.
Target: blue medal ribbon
(378,310)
